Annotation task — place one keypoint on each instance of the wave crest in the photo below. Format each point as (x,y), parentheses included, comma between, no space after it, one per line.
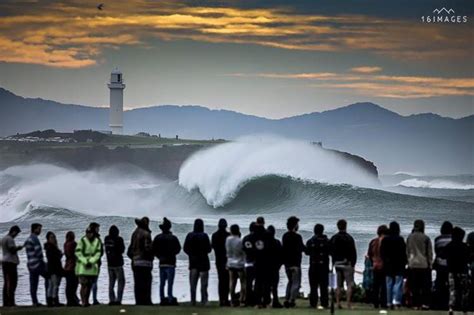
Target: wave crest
(434,184)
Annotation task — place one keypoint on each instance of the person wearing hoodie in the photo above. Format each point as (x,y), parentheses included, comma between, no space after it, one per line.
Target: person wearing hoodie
(457,257)
(72,282)
(218,244)
(293,249)
(261,243)
(250,252)
(235,265)
(379,289)
(275,261)
(114,249)
(420,258)
(394,257)
(440,265)
(55,269)
(88,253)
(198,246)
(140,251)
(165,247)
(318,250)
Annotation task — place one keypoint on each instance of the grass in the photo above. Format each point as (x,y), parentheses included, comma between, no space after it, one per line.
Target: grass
(188,310)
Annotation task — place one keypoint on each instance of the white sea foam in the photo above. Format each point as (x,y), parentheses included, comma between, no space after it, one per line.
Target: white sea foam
(219,172)
(435,184)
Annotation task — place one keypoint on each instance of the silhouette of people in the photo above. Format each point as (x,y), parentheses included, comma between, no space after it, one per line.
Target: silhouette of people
(165,247)
(198,246)
(261,242)
(36,264)
(379,289)
(88,253)
(72,281)
(275,260)
(394,257)
(318,249)
(248,245)
(440,265)
(236,265)
(293,248)
(140,251)
(420,257)
(54,267)
(10,264)
(218,244)
(114,249)
(344,258)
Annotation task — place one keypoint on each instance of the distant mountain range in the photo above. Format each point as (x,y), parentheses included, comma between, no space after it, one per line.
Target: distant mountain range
(422,143)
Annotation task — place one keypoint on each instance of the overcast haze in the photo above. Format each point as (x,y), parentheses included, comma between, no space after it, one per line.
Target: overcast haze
(268,58)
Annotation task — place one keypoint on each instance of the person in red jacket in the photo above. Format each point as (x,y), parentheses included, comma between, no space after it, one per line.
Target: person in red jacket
(379,290)
(72,281)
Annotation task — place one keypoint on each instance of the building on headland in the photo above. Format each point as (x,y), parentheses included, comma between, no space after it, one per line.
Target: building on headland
(116,87)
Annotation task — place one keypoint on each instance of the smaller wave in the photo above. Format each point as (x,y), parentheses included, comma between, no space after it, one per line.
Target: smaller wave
(434,184)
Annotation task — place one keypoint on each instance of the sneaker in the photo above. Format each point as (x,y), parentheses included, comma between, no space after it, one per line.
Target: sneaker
(320,307)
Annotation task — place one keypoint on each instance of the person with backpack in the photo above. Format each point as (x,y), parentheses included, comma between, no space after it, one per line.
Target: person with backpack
(379,293)
(10,264)
(236,265)
(55,269)
(293,249)
(420,258)
(88,253)
(114,249)
(394,258)
(218,244)
(36,264)
(198,246)
(344,258)
(318,250)
(72,281)
(165,247)
(140,251)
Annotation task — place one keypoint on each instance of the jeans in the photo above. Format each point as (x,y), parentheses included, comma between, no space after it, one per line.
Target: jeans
(10,282)
(53,286)
(194,276)
(72,282)
(318,278)
(394,290)
(34,281)
(116,274)
(142,277)
(235,274)
(167,275)
(294,282)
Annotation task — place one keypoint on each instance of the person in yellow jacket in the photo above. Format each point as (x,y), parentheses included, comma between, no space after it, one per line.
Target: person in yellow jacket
(88,253)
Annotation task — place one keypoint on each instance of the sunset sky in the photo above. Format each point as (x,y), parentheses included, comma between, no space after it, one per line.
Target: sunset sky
(270,58)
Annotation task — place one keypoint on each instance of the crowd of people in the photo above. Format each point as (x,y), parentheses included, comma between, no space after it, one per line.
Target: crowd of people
(397,271)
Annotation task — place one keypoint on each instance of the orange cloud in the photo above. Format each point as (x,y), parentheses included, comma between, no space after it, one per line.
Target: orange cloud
(366,69)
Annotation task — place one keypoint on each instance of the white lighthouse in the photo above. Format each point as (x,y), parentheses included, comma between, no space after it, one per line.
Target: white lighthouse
(116,87)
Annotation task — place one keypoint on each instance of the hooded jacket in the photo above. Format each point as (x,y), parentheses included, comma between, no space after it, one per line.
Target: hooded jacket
(419,250)
(88,253)
(54,255)
(318,249)
(197,246)
(114,248)
(140,249)
(393,254)
(165,247)
(218,244)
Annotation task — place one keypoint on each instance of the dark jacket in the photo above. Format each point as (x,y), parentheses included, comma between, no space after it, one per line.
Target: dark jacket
(70,253)
(457,256)
(114,249)
(318,250)
(248,244)
(343,248)
(165,247)
(198,246)
(140,248)
(440,243)
(293,248)
(394,255)
(275,253)
(54,255)
(218,244)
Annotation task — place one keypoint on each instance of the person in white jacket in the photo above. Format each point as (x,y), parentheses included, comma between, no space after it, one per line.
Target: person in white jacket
(236,265)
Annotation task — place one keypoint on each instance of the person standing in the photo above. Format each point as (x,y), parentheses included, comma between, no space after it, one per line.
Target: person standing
(236,265)
(248,245)
(96,228)
(457,256)
(140,252)
(10,266)
(114,249)
(344,258)
(394,257)
(72,282)
(420,257)
(55,269)
(262,270)
(198,246)
(275,260)
(88,253)
(318,249)
(293,248)
(36,264)
(218,244)
(379,293)
(440,265)
(165,247)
